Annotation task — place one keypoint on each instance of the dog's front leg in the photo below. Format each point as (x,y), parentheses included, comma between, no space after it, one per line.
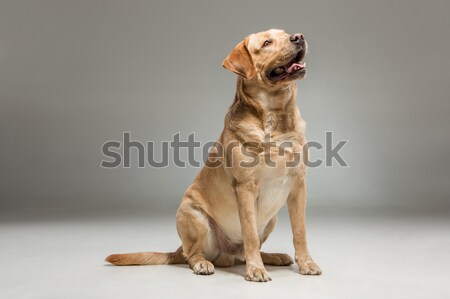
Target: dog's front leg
(246,197)
(297,207)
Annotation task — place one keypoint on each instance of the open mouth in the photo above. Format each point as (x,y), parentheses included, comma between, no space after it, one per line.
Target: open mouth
(294,67)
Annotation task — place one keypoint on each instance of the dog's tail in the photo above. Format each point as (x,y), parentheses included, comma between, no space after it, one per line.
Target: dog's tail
(147,258)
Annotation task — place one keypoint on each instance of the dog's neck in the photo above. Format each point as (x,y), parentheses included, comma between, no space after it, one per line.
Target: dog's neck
(267,98)
(276,111)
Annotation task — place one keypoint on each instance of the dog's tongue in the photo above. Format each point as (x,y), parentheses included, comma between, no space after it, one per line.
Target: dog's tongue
(294,67)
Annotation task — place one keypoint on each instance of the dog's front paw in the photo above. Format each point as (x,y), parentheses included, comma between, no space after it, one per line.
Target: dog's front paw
(307,266)
(258,274)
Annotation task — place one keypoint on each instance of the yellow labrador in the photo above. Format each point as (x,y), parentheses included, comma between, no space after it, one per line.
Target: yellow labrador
(231,207)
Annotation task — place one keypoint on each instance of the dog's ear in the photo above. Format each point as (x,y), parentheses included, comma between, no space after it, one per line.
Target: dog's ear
(240,61)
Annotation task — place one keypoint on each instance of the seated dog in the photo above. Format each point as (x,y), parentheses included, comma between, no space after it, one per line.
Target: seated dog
(258,165)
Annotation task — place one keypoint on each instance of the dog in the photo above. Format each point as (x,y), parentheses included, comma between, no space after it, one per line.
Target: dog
(231,207)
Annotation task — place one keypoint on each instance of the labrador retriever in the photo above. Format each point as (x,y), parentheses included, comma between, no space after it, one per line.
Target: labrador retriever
(257,165)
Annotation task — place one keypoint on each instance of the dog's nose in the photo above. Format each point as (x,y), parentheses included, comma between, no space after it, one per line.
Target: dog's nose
(297,38)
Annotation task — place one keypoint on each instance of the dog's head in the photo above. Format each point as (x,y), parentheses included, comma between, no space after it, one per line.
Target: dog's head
(272,57)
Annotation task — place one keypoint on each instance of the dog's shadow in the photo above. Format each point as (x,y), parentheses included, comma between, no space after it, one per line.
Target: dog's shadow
(239,269)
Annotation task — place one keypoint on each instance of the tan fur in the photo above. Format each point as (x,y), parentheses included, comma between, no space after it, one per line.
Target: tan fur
(230,210)
(147,258)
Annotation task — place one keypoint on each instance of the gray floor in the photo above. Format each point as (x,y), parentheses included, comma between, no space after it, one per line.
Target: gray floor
(363,254)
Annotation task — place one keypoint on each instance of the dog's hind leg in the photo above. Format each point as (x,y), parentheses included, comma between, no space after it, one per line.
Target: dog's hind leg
(197,238)
(275,259)
(224,260)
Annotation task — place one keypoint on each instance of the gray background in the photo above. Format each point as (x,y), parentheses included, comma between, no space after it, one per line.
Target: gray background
(75,74)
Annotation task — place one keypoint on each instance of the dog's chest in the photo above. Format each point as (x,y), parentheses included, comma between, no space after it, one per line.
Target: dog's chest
(273,194)
(277,177)
(277,122)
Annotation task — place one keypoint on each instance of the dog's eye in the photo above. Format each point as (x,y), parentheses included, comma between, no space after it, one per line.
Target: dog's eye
(266,43)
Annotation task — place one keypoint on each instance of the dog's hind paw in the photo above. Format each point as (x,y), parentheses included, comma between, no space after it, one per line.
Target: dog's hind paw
(203,267)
